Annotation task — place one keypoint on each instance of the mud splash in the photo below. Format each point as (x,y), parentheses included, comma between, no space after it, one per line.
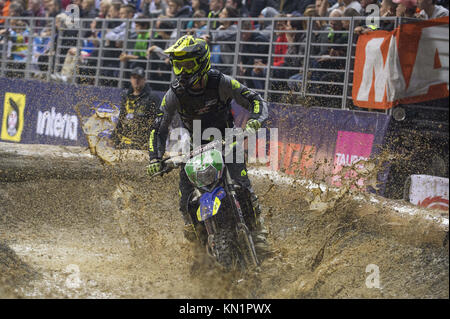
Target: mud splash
(116,237)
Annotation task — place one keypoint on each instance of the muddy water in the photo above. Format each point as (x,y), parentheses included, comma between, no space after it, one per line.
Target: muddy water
(116,238)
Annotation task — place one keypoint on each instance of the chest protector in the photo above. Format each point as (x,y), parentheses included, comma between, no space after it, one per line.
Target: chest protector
(206,107)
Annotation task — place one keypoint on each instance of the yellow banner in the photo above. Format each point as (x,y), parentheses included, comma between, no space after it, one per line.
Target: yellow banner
(13,117)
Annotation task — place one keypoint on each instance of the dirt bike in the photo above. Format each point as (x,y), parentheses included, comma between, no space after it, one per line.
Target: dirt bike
(221,209)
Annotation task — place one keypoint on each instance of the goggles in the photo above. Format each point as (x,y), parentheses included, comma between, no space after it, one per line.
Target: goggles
(187,66)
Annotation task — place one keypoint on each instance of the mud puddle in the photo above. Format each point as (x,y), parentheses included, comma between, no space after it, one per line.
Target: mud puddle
(111,238)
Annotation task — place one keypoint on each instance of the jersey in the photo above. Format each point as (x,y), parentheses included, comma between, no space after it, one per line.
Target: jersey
(212,107)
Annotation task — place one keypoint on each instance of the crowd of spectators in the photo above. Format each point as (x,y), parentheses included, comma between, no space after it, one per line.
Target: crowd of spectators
(66,52)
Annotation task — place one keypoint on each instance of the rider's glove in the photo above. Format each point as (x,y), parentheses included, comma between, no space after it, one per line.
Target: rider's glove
(252,126)
(154,167)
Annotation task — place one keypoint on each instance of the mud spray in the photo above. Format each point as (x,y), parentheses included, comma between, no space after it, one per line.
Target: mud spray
(118,235)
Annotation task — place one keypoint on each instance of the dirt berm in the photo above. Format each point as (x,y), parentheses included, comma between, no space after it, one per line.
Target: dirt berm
(74,227)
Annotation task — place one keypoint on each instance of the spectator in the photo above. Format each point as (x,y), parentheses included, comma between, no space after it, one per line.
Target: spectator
(226,32)
(16,9)
(176,10)
(159,62)
(338,5)
(114,39)
(237,4)
(406,9)
(113,13)
(256,6)
(215,7)
(104,8)
(154,8)
(88,50)
(198,5)
(18,38)
(88,10)
(388,8)
(266,27)
(5,9)
(41,45)
(354,5)
(137,114)
(35,9)
(199,27)
(251,52)
(290,6)
(366,3)
(52,8)
(430,10)
(316,38)
(295,53)
(280,47)
(327,52)
(140,45)
(68,39)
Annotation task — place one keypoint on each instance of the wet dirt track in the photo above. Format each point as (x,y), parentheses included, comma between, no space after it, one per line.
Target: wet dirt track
(115,237)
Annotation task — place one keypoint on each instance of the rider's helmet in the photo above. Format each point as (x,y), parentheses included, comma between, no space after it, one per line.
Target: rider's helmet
(190,59)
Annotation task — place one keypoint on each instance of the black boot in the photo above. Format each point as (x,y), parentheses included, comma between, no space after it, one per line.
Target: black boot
(260,232)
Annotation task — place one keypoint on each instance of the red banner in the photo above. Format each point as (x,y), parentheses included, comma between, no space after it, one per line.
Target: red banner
(407,65)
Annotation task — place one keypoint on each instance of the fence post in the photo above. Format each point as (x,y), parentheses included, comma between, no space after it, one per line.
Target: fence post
(269,62)
(307,54)
(77,53)
(348,61)
(29,49)
(237,49)
(5,48)
(51,49)
(99,54)
(124,48)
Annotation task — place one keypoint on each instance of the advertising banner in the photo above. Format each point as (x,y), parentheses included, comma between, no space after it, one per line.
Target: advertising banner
(35,112)
(311,141)
(429,191)
(322,142)
(407,65)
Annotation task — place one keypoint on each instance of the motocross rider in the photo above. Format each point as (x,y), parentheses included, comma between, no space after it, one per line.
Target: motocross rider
(205,94)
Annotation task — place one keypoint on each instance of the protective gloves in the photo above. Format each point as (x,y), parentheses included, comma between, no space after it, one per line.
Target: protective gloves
(252,126)
(154,167)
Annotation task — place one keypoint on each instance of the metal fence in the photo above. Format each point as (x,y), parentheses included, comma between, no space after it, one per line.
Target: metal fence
(311,64)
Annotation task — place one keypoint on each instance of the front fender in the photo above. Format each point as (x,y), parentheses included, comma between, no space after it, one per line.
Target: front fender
(210,204)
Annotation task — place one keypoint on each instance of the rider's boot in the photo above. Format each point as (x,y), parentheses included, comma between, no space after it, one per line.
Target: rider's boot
(260,233)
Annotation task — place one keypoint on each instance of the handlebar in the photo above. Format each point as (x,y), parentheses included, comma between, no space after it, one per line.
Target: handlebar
(170,163)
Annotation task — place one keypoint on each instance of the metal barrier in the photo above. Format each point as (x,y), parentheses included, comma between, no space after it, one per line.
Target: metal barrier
(311,64)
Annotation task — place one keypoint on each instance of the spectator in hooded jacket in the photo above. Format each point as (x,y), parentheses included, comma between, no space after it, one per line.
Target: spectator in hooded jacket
(266,27)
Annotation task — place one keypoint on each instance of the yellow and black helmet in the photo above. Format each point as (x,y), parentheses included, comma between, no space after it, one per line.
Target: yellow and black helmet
(190,58)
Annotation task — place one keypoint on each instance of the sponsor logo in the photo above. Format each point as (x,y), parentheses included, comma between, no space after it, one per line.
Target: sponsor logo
(434,202)
(13,116)
(407,65)
(351,148)
(50,123)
